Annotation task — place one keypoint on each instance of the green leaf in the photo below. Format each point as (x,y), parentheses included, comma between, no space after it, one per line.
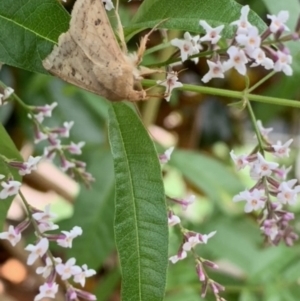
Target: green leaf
(185,15)
(248,295)
(8,150)
(272,262)
(28,31)
(141,230)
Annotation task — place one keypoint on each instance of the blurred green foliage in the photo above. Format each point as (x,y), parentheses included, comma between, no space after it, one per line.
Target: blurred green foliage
(249,269)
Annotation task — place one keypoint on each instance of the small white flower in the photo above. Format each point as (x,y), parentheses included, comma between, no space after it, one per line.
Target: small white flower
(65,131)
(182,255)
(50,151)
(37,250)
(270,228)
(108,4)
(47,109)
(237,60)
(243,24)
(255,199)
(44,219)
(47,269)
(29,166)
(47,290)
(197,239)
(278,21)
(48,226)
(188,46)
(44,216)
(212,34)
(263,167)
(283,63)
(239,161)
(7,92)
(173,220)
(39,117)
(68,269)
(250,41)
(171,82)
(11,235)
(204,238)
(282,150)
(254,173)
(260,59)
(43,111)
(189,200)
(191,243)
(75,148)
(68,237)
(166,156)
(9,188)
(264,131)
(287,192)
(282,172)
(66,164)
(85,273)
(216,70)
(39,136)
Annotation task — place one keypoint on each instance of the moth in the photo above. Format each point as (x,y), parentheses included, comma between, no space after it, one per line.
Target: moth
(89,56)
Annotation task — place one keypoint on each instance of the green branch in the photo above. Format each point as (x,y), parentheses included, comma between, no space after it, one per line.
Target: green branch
(231,94)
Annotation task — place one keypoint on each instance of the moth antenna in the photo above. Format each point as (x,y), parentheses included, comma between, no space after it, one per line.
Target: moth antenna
(120,30)
(142,48)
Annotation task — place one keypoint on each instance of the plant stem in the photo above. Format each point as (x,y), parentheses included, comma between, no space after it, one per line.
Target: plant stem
(232,94)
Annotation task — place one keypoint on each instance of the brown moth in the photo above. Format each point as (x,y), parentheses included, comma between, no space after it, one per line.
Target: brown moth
(89,56)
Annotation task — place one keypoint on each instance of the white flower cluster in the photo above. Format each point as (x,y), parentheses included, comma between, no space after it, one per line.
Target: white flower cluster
(75,168)
(191,240)
(42,220)
(53,266)
(271,191)
(246,47)
(10,186)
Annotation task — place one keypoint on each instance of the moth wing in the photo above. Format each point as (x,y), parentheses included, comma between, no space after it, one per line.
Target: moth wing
(69,62)
(92,31)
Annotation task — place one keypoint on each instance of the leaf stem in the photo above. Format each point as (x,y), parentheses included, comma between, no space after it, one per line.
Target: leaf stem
(260,82)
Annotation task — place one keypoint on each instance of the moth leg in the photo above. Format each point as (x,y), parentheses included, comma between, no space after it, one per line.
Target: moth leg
(145,71)
(142,48)
(120,31)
